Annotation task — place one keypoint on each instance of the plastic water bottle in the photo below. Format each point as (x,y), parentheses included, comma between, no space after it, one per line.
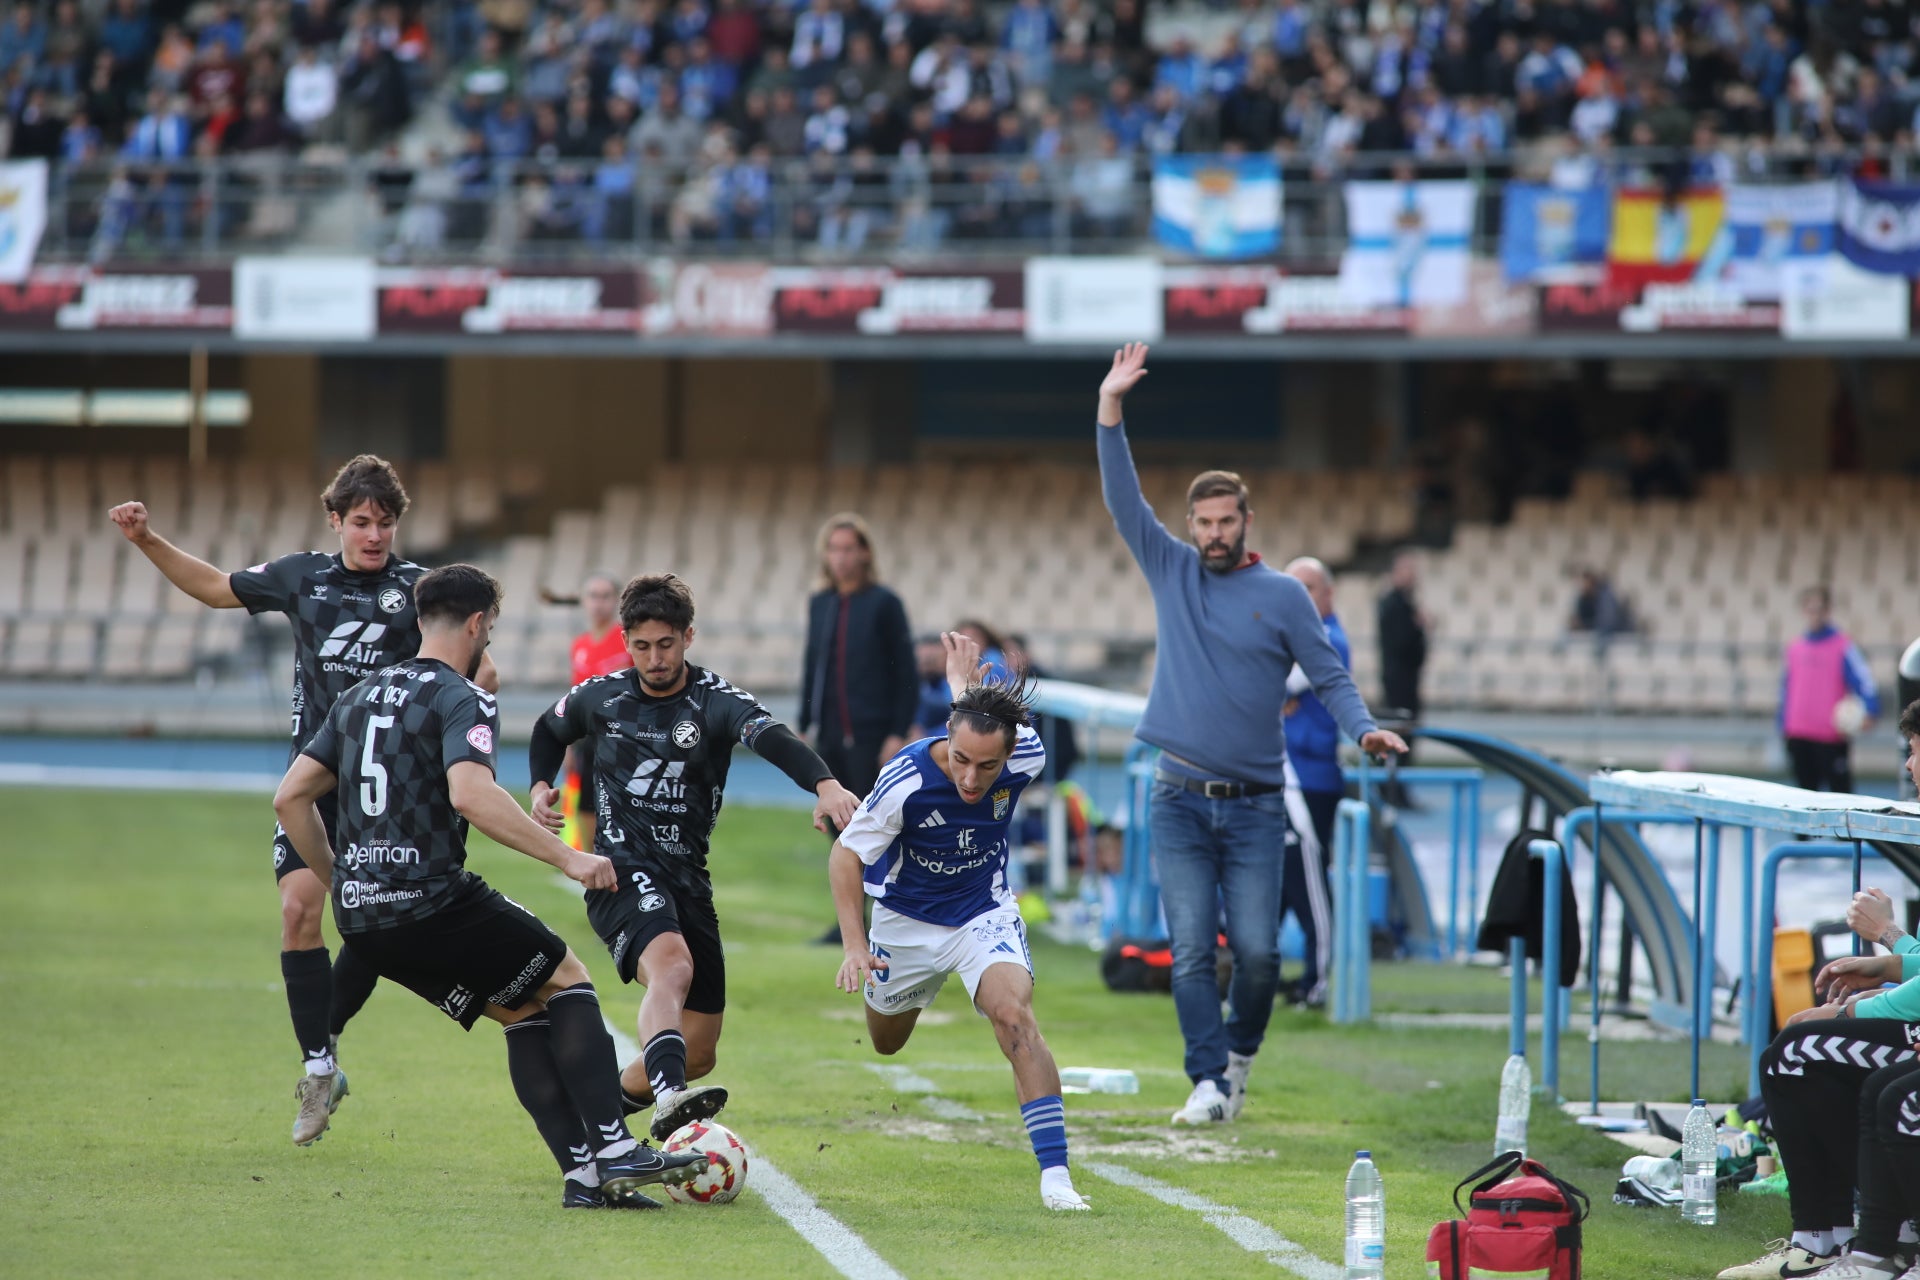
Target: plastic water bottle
(1098,1080)
(1699,1153)
(1366,1220)
(1516,1100)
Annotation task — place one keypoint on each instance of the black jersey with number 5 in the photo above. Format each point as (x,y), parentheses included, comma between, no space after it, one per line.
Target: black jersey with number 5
(660,766)
(401,850)
(346,625)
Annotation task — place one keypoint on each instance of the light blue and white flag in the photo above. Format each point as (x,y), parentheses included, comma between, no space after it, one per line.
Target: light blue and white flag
(1766,228)
(1408,243)
(1217,206)
(23,216)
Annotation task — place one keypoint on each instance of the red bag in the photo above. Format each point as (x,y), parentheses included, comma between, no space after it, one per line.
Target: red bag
(1522,1224)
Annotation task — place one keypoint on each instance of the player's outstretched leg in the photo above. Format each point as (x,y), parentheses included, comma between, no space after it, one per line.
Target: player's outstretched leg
(537,1083)
(667,968)
(1005,996)
(307,975)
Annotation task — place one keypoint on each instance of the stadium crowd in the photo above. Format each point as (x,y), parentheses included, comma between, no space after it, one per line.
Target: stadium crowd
(687,108)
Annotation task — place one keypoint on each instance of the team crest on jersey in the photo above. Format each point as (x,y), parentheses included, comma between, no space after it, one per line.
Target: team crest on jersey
(652,902)
(686,734)
(1002,801)
(393,600)
(481,737)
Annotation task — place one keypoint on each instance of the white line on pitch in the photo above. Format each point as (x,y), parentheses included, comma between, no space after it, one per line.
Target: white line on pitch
(835,1241)
(903,1079)
(1254,1237)
(47,775)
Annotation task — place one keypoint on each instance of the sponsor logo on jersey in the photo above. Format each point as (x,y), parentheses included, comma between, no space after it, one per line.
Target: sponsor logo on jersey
(319,591)
(560,707)
(933,820)
(355,894)
(380,855)
(454,1003)
(481,737)
(686,734)
(512,992)
(652,902)
(1002,801)
(355,642)
(393,600)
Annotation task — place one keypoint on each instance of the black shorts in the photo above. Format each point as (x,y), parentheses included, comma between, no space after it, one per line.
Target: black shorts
(481,949)
(286,858)
(630,917)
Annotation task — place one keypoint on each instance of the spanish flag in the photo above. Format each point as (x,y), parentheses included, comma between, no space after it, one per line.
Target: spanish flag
(1660,238)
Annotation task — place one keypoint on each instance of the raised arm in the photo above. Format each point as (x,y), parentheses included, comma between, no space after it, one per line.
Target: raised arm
(484,803)
(1140,529)
(202,581)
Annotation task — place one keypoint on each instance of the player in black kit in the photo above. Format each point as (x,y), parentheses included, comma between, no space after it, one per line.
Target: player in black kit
(412,749)
(664,734)
(352,614)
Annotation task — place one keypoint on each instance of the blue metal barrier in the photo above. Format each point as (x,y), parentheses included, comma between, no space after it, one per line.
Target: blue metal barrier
(1760,1008)
(1552,998)
(1351,999)
(1463,796)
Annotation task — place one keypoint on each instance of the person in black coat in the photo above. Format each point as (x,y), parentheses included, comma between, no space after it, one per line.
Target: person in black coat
(1403,639)
(859,686)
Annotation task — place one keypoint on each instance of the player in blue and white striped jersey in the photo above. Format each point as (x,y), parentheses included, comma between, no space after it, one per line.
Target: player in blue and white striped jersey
(930,846)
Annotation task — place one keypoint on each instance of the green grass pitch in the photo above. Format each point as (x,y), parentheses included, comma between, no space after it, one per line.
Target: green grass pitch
(147,1071)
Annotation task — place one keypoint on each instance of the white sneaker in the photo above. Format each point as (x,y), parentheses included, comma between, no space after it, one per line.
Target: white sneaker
(1239,1067)
(1205,1105)
(1056,1191)
(1783,1260)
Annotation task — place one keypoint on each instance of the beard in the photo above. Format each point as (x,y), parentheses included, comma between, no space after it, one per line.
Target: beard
(473,663)
(663,682)
(1221,557)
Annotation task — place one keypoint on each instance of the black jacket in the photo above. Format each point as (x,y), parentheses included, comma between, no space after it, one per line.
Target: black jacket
(883,684)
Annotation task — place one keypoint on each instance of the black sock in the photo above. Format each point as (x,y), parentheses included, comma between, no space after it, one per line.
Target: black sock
(583,1056)
(536,1081)
(630,1104)
(353,982)
(309,985)
(666,1059)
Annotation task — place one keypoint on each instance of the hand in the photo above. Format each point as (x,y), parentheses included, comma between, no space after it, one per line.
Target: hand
(590,870)
(1870,915)
(1129,366)
(891,747)
(1840,978)
(131,517)
(1819,1013)
(963,661)
(546,807)
(1288,707)
(854,969)
(834,809)
(1383,741)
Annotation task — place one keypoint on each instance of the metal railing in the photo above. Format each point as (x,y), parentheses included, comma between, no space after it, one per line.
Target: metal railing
(845,208)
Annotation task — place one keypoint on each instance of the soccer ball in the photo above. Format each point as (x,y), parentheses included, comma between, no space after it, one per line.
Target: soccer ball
(1849,716)
(726,1163)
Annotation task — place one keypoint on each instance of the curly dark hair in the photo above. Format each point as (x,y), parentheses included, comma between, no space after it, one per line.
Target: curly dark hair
(1910,720)
(995,707)
(455,592)
(656,597)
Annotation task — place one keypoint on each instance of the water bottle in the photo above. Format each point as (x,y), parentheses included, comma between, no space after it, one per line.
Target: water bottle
(1516,1099)
(1366,1220)
(1699,1152)
(1098,1080)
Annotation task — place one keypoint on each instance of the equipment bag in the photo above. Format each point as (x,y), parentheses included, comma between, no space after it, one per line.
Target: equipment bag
(1522,1224)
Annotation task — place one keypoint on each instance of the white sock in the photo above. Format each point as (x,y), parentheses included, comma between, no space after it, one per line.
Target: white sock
(663,1099)
(323,1066)
(1817,1243)
(586,1175)
(1055,1180)
(1907,1233)
(618,1149)
(1842,1237)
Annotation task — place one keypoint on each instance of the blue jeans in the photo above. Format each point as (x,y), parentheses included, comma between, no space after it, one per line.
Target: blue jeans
(1209,854)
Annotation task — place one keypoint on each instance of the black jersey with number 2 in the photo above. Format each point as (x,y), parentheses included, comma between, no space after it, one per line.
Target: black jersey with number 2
(401,849)
(660,766)
(346,625)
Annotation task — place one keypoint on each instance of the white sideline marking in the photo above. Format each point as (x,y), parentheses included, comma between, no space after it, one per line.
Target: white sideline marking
(904,1079)
(1254,1237)
(948,1109)
(47,775)
(833,1239)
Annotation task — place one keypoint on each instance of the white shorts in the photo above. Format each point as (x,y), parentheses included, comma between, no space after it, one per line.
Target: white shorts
(919,955)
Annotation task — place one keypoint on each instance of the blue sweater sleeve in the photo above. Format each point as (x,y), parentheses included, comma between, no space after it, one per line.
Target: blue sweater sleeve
(1306,638)
(1860,680)
(1154,549)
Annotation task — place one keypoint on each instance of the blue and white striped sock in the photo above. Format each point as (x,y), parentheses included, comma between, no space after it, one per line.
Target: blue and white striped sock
(1046,1120)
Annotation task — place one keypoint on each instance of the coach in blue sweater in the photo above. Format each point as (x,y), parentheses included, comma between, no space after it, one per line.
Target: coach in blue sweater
(1230,631)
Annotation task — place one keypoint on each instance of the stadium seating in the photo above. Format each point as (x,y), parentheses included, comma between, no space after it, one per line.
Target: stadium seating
(1713,582)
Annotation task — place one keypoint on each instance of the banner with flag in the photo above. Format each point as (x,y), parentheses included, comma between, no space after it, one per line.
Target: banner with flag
(1661,238)
(1878,227)
(1766,228)
(1408,243)
(1217,206)
(1551,236)
(23,216)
